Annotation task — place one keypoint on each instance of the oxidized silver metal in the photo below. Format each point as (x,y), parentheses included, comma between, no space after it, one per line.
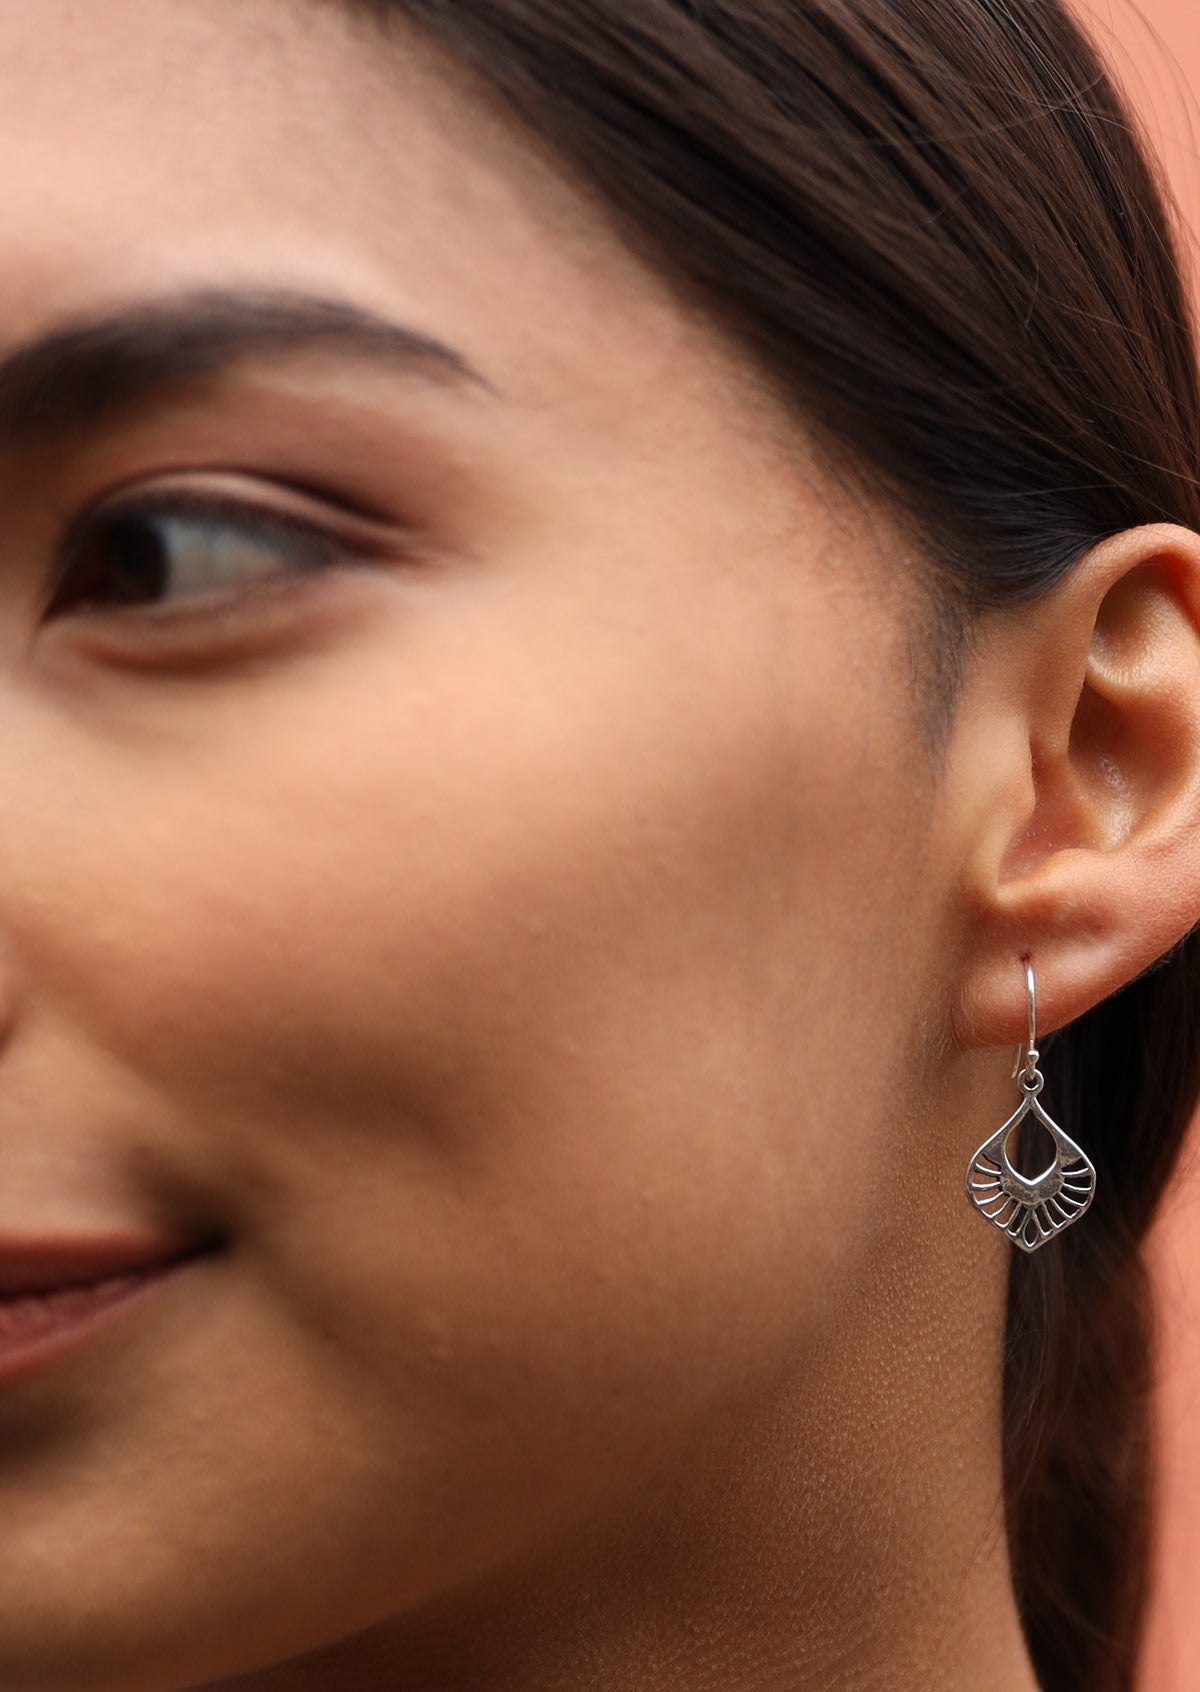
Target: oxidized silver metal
(1030,1210)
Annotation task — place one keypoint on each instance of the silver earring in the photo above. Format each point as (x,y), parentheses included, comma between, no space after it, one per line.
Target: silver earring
(1030,1211)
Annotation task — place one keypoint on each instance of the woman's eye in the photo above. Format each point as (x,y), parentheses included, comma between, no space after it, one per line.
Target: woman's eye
(155,554)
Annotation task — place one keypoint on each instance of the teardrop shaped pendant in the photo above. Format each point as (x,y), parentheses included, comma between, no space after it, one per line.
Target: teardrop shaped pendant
(1030,1210)
(1037,1208)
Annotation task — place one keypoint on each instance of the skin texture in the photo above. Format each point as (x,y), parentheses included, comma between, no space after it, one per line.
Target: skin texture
(537,949)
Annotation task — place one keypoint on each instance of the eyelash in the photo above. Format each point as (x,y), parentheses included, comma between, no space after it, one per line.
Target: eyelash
(274,533)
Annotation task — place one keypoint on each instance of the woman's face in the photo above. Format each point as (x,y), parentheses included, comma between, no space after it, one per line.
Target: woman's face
(462,830)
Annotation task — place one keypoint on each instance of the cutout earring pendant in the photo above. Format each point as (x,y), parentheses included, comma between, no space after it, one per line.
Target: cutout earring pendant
(1030,1210)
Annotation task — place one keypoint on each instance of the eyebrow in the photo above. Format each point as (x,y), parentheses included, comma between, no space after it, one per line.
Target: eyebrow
(91,371)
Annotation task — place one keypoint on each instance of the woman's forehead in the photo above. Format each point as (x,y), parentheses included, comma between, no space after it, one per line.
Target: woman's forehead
(174,143)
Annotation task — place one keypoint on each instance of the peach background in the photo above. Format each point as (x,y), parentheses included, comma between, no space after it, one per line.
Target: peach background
(1155,47)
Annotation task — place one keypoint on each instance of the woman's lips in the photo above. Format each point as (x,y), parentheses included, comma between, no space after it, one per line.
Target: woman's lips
(54,1294)
(29,1265)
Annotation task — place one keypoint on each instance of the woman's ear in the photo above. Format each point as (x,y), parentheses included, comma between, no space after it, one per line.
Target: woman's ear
(1074,777)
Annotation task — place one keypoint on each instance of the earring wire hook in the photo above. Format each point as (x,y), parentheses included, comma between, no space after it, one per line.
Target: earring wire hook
(1027,1054)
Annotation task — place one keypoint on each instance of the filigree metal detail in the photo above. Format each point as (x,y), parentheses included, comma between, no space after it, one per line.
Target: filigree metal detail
(1030,1209)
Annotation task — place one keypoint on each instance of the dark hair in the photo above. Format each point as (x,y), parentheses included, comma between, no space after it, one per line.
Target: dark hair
(932,221)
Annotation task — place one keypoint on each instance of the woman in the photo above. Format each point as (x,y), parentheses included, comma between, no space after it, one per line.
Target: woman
(601,605)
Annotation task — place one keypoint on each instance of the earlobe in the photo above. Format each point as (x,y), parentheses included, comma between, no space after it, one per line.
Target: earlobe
(1097,873)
